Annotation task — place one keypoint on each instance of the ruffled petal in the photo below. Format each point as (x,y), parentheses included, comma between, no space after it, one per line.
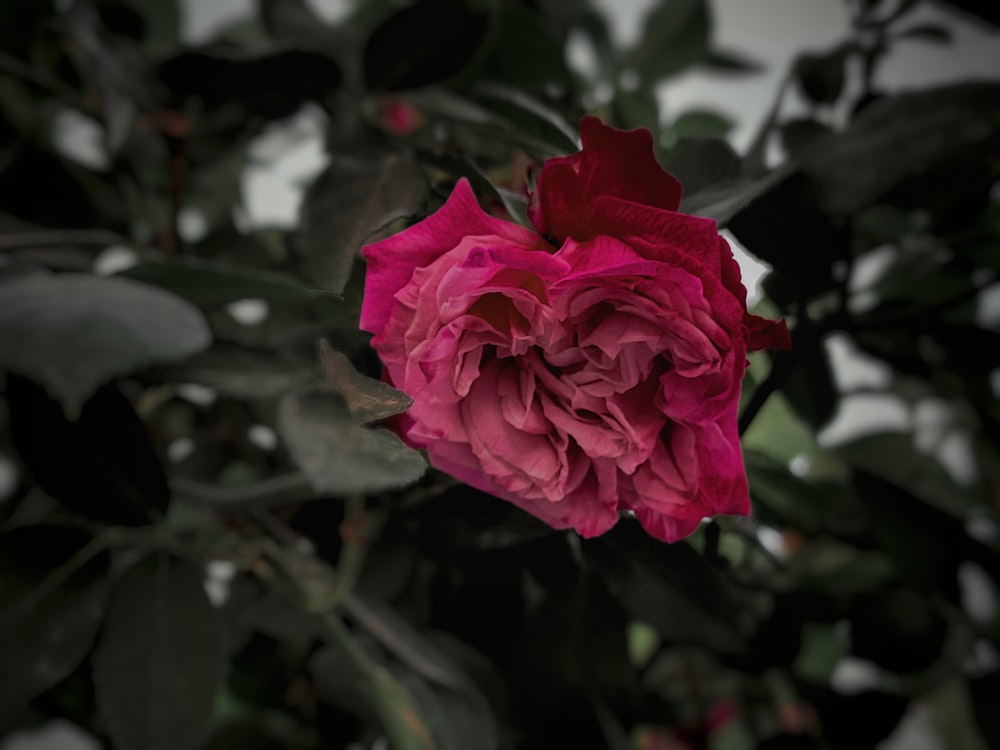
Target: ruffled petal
(612,162)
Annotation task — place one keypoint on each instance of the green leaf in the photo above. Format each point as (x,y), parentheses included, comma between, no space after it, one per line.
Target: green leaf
(160,660)
(701,123)
(53,585)
(368,400)
(700,163)
(676,36)
(350,202)
(210,283)
(338,456)
(73,333)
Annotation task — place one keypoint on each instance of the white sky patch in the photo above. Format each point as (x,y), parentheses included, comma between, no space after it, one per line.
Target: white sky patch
(283,160)
(114,259)
(79,138)
(249,312)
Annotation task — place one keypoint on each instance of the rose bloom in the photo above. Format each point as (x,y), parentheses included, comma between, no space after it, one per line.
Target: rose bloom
(585,369)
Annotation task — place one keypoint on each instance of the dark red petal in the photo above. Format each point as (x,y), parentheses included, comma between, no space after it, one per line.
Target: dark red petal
(612,162)
(767,334)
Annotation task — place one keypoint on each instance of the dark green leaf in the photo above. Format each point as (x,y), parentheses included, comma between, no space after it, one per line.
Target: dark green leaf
(338,456)
(161,21)
(53,585)
(798,135)
(423,43)
(531,119)
(241,372)
(209,283)
(810,388)
(723,202)
(781,498)
(351,201)
(407,643)
(894,458)
(525,54)
(772,227)
(903,137)
(701,123)
(368,400)
(897,628)
(821,76)
(670,586)
(676,36)
(101,464)
(701,163)
(459,719)
(268,86)
(73,333)
(160,659)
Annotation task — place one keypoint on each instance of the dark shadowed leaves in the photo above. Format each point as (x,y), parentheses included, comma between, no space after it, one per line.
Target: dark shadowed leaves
(346,206)
(338,456)
(266,87)
(101,464)
(670,586)
(723,201)
(53,584)
(427,42)
(160,659)
(73,333)
(784,228)
(526,54)
(985,10)
(902,138)
(700,163)
(821,77)
(810,388)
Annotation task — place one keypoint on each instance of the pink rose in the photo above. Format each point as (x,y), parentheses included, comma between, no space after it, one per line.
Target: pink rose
(587,369)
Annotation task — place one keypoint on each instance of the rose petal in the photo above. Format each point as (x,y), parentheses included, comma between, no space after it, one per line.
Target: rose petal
(392,261)
(612,162)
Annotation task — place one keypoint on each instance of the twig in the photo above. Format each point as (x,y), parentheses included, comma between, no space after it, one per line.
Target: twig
(267,493)
(49,238)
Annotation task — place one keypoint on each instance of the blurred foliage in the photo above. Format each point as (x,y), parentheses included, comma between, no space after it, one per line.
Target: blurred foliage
(209,540)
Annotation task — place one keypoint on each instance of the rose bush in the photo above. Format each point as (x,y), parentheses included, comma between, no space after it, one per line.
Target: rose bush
(588,368)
